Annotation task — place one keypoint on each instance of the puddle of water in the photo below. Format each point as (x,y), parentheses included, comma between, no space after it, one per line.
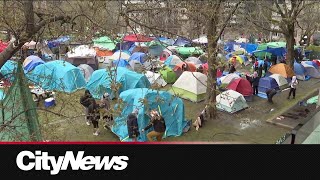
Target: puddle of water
(246,123)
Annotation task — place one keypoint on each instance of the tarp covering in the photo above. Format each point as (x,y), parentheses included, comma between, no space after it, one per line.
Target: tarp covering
(180,41)
(18,112)
(120,63)
(313,100)
(170,107)
(58,75)
(104,43)
(137,38)
(100,81)
(185,52)
(82,51)
(249,47)
(282,69)
(231,101)
(31,62)
(58,41)
(242,86)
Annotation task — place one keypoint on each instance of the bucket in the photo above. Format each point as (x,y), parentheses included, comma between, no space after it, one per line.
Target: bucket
(49,102)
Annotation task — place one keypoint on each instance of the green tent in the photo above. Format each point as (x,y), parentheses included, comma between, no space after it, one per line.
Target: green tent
(186,52)
(105,43)
(168,75)
(264,46)
(19,118)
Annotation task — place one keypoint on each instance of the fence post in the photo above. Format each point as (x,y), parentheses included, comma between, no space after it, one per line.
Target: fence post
(318,103)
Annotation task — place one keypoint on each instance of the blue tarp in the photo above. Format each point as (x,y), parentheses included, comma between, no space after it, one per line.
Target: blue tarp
(58,75)
(31,62)
(266,83)
(249,47)
(182,42)
(100,81)
(120,63)
(57,42)
(170,107)
(138,56)
(9,69)
(229,46)
(124,45)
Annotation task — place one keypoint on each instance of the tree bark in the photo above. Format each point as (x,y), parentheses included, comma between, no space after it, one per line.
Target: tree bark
(212,71)
(290,45)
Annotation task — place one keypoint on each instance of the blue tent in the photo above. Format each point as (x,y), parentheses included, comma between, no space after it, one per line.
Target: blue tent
(266,83)
(9,69)
(58,75)
(124,45)
(31,62)
(312,63)
(182,42)
(138,56)
(280,51)
(249,47)
(100,81)
(170,107)
(229,46)
(120,63)
(300,71)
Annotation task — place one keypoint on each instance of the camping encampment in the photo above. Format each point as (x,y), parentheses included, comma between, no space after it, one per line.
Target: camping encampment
(170,107)
(191,86)
(231,101)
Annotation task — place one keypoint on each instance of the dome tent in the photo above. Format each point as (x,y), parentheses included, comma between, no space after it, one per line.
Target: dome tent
(231,101)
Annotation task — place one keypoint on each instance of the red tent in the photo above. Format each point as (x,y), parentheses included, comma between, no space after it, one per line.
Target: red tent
(242,86)
(317,62)
(137,38)
(3,46)
(205,67)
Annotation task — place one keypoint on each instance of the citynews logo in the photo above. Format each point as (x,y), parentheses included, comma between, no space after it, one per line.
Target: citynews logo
(42,161)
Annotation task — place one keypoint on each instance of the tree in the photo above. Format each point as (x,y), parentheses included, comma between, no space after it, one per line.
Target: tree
(279,17)
(211,16)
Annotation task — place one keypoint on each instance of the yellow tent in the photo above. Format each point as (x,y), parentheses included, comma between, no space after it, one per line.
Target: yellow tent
(238,58)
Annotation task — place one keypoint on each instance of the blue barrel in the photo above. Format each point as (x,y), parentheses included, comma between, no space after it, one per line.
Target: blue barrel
(49,102)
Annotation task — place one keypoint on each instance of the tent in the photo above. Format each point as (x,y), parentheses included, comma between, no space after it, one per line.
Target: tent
(31,62)
(105,43)
(228,78)
(120,55)
(120,63)
(18,114)
(185,52)
(9,70)
(280,79)
(86,71)
(191,86)
(170,107)
(101,82)
(172,61)
(137,38)
(180,41)
(231,101)
(190,67)
(138,56)
(196,61)
(201,40)
(317,62)
(266,83)
(311,63)
(155,78)
(57,75)
(165,54)
(156,50)
(282,69)
(168,74)
(136,65)
(300,71)
(242,86)
(3,46)
(238,58)
(311,70)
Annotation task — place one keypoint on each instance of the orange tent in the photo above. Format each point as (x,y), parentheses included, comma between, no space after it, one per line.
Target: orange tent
(282,69)
(190,67)
(101,53)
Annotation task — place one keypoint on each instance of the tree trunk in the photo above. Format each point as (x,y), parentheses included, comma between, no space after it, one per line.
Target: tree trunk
(29,17)
(212,71)
(290,45)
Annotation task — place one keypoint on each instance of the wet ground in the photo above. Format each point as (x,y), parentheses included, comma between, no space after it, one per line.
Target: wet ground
(248,126)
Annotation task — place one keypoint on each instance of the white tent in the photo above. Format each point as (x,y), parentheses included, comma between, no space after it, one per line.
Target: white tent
(228,78)
(135,65)
(231,101)
(118,55)
(194,60)
(155,78)
(191,86)
(81,51)
(31,45)
(86,71)
(172,61)
(201,40)
(311,70)
(280,79)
